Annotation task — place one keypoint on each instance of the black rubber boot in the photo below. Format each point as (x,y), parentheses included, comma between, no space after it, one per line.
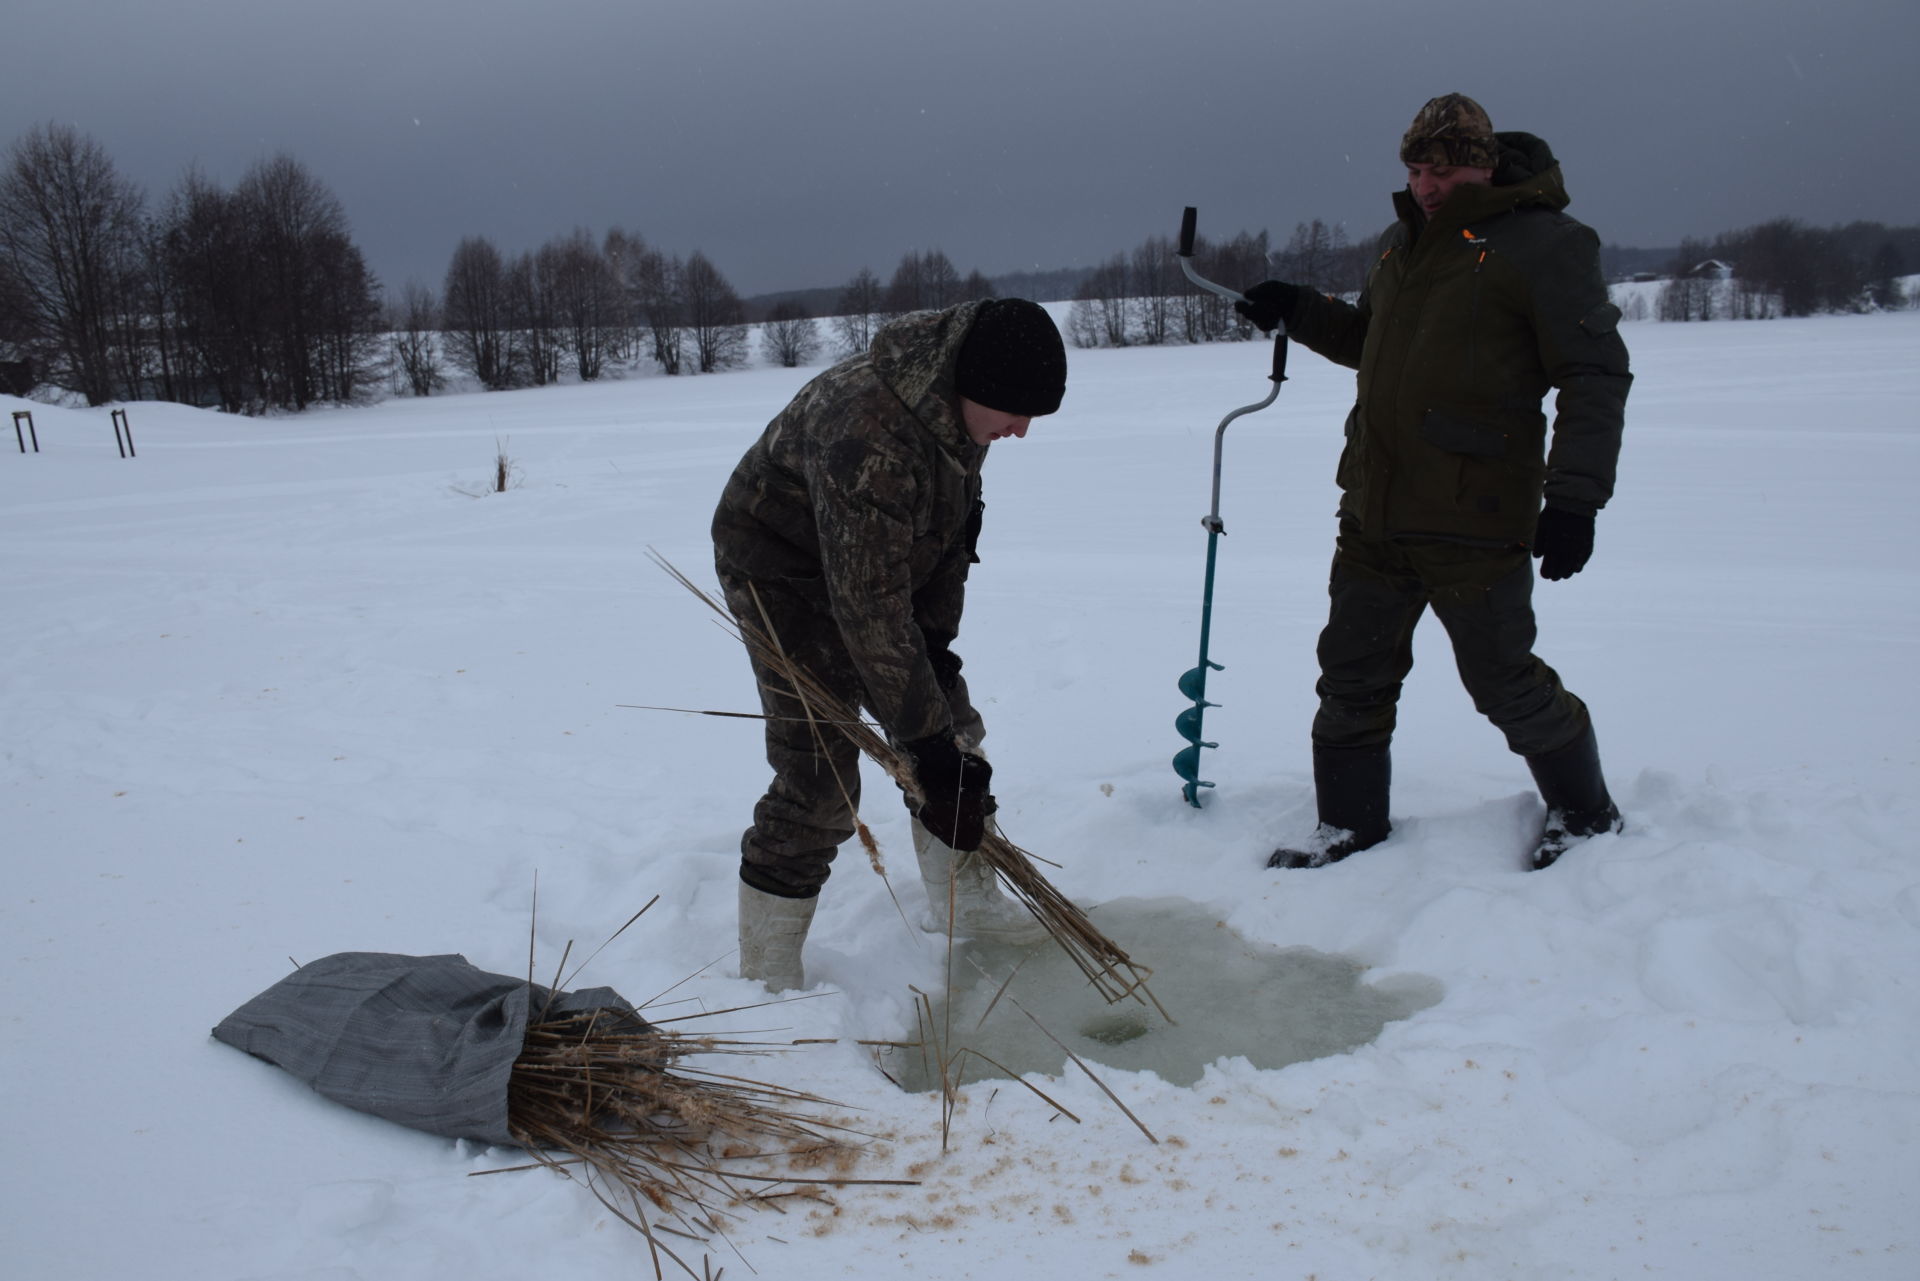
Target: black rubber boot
(1350,787)
(1576,795)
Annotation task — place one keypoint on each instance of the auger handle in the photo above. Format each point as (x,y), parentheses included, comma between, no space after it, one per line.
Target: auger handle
(1187,221)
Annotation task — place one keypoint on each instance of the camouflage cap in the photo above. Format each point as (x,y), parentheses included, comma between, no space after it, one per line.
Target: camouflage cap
(1450,130)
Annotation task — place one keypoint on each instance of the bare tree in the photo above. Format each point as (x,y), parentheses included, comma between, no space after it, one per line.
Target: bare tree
(586,300)
(68,228)
(478,314)
(206,263)
(350,329)
(976,287)
(1884,270)
(530,286)
(622,251)
(1156,278)
(1098,317)
(860,310)
(790,337)
(1313,257)
(940,281)
(138,320)
(715,319)
(657,283)
(1209,318)
(415,325)
(313,305)
(922,282)
(16,331)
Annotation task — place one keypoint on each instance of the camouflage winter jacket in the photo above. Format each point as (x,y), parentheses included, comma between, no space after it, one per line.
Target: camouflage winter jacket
(1467,320)
(862,500)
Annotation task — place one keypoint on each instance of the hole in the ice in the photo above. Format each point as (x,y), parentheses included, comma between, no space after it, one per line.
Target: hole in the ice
(1229,996)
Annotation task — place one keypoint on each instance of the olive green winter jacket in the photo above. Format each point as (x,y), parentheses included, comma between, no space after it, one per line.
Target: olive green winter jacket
(861,500)
(1467,320)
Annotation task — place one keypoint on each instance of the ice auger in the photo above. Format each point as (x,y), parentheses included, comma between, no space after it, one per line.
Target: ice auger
(1193,684)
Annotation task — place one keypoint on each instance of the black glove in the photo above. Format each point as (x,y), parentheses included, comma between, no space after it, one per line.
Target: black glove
(954,784)
(1269,303)
(1563,540)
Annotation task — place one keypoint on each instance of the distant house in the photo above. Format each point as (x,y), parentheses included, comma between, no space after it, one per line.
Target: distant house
(1645,277)
(1712,269)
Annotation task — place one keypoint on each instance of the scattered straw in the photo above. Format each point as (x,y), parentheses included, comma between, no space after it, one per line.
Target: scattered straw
(607,1098)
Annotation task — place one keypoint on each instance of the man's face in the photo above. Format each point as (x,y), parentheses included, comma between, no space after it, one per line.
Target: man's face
(1432,184)
(988,425)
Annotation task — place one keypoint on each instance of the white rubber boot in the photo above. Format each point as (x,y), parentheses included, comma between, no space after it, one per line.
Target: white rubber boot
(961,888)
(772,932)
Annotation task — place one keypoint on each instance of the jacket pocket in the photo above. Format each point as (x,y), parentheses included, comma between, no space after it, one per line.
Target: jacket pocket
(1347,474)
(1491,470)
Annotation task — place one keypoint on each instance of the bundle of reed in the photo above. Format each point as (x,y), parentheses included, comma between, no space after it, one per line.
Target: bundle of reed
(604,1097)
(1112,973)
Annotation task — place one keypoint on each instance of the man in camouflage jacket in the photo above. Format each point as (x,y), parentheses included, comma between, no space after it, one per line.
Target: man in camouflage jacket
(852,523)
(1483,298)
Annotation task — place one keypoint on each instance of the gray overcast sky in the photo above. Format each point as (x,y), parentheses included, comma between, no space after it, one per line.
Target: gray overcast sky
(795,142)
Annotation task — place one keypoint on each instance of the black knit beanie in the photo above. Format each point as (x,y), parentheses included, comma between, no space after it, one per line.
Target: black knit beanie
(1012,359)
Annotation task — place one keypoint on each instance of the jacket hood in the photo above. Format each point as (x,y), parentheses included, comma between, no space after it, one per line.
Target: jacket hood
(914,356)
(1529,170)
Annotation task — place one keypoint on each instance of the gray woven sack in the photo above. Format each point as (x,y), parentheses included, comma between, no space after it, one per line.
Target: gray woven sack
(428,1041)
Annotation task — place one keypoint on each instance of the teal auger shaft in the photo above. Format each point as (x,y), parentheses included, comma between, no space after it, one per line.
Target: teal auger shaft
(1193,683)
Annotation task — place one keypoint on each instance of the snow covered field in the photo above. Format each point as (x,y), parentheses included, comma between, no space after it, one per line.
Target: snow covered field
(276,689)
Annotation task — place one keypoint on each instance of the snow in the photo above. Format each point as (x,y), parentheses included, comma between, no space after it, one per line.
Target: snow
(276,689)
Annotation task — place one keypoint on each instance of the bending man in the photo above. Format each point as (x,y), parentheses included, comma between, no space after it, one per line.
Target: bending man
(853,521)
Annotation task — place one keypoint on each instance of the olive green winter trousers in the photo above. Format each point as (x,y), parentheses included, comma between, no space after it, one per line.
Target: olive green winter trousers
(1378,591)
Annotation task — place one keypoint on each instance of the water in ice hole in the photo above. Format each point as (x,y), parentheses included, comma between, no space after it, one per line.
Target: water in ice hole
(1227,996)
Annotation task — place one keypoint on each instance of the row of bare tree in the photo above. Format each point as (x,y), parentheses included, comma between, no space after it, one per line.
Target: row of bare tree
(242,298)
(581,306)
(1787,268)
(1144,298)
(922,281)
(256,297)
(576,305)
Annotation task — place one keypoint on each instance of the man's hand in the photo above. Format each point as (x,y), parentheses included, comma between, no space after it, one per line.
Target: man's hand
(954,784)
(1269,303)
(1563,540)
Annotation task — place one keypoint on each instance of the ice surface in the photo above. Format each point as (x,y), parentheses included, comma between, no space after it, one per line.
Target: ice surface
(274,689)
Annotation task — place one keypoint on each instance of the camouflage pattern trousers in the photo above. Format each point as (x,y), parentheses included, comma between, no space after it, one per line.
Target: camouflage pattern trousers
(1483,596)
(808,810)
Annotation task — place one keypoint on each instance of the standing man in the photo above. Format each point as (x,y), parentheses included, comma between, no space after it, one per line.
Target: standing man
(851,522)
(1484,297)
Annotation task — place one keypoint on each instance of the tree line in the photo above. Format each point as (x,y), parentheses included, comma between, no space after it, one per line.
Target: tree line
(1143,297)
(255,297)
(1786,268)
(580,305)
(242,298)
(1777,268)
